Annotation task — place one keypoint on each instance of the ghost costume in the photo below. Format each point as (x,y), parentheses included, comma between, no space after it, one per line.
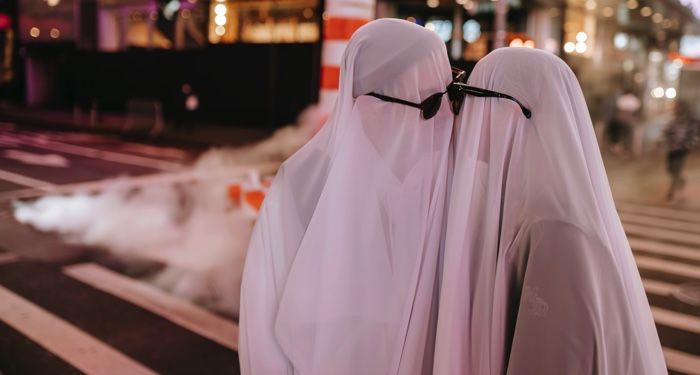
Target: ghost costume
(538,275)
(341,272)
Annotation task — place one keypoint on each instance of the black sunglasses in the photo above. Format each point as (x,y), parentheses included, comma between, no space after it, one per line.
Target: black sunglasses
(455,91)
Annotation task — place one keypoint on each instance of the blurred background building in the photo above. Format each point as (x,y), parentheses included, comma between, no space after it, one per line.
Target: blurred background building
(258,63)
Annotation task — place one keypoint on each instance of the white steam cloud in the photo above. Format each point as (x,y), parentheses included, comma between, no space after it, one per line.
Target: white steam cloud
(187,222)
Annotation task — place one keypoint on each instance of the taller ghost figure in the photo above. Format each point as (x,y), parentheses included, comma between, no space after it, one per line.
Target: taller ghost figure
(538,275)
(341,273)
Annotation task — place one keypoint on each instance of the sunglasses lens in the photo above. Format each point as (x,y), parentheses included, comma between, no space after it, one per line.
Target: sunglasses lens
(431,105)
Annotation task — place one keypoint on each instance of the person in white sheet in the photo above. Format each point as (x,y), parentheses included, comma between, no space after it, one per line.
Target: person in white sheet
(341,271)
(538,275)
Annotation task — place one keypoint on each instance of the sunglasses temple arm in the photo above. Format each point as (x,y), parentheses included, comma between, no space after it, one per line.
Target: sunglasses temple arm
(395,100)
(475,91)
(526,112)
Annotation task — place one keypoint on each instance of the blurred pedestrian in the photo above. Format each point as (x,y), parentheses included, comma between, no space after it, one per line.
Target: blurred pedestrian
(342,267)
(623,123)
(682,135)
(538,276)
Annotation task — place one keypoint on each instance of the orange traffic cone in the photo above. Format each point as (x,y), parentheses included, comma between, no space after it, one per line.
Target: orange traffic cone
(255,198)
(234,193)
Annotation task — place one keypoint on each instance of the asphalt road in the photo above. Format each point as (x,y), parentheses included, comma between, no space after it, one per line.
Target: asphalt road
(67,309)
(57,313)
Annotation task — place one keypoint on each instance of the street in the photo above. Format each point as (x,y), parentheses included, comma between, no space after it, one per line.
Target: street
(62,307)
(73,309)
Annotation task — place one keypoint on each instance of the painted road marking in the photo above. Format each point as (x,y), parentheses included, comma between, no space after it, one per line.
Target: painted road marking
(193,175)
(660,223)
(658,287)
(116,157)
(664,212)
(157,151)
(681,269)
(19,179)
(662,248)
(8,258)
(677,320)
(681,361)
(66,341)
(31,158)
(662,234)
(185,314)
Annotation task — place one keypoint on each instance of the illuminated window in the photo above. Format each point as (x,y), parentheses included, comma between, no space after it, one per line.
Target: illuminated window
(290,21)
(579,31)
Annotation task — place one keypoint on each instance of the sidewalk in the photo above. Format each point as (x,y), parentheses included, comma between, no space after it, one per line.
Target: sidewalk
(645,180)
(640,175)
(200,135)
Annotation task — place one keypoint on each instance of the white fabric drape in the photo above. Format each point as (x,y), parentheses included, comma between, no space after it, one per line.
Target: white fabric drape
(341,272)
(538,275)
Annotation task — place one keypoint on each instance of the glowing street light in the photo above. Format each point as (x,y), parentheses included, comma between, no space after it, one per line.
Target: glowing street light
(670,93)
(517,42)
(220,20)
(569,47)
(220,9)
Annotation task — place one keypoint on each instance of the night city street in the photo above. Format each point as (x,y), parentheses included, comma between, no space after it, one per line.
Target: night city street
(407,215)
(101,299)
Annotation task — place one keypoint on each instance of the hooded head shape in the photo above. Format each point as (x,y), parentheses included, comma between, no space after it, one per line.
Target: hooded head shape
(341,270)
(539,277)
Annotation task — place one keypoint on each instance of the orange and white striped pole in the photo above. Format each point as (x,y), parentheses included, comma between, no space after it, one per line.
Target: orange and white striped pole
(340,19)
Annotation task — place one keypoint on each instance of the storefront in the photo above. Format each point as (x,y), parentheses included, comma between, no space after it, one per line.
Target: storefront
(246,63)
(628,47)
(258,62)
(468,27)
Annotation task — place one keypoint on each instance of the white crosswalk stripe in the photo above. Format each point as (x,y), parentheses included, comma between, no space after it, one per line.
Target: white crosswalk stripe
(673,319)
(674,236)
(653,211)
(662,248)
(671,267)
(656,233)
(105,352)
(677,225)
(682,362)
(658,287)
(661,242)
(183,313)
(66,341)
(73,149)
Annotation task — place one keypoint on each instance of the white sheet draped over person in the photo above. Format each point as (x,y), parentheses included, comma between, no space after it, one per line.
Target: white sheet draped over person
(341,272)
(538,275)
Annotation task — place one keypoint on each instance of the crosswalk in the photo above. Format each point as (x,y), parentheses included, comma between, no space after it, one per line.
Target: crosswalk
(92,320)
(129,327)
(666,247)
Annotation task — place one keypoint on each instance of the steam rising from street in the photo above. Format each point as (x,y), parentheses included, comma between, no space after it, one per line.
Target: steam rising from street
(188,221)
